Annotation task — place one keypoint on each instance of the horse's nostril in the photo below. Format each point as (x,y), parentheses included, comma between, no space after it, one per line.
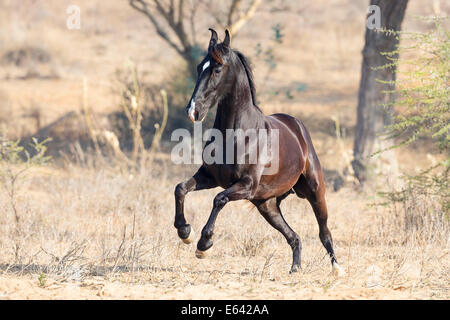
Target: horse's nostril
(192,113)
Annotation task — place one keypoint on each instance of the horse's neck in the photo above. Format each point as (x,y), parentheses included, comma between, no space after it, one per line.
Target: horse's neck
(236,111)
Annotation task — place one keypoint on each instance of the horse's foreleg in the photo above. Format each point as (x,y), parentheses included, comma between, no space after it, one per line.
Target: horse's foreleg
(238,191)
(199,181)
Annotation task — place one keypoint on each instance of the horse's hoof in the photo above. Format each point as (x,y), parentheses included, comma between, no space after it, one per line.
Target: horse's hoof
(185,234)
(337,270)
(190,238)
(203,244)
(294,269)
(200,254)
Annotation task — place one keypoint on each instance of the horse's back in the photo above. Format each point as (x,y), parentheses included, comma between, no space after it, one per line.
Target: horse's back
(295,127)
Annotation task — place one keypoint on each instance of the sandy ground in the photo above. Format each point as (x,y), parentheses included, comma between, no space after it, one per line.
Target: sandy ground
(81,218)
(93,235)
(25,287)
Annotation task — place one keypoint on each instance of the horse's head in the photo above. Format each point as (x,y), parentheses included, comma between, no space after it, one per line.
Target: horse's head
(212,79)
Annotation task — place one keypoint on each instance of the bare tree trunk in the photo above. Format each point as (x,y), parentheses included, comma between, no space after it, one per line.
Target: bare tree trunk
(372,116)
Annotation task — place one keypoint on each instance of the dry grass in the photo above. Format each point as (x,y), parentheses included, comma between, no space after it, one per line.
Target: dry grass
(95,231)
(98,229)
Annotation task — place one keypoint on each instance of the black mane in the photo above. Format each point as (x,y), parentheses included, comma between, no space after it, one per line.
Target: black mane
(249,72)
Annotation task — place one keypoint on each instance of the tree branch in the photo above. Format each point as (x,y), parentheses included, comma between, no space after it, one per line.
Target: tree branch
(234,6)
(180,12)
(142,7)
(177,27)
(238,24)
(193,10)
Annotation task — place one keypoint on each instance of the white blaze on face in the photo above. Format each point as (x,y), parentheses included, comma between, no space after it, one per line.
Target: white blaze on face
(206,65)
(191,111)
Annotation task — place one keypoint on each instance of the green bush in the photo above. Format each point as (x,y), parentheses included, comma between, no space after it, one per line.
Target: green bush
(423,105)
(15,161)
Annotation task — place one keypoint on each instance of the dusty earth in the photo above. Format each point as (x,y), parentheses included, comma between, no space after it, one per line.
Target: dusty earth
(12,287)
(90,230)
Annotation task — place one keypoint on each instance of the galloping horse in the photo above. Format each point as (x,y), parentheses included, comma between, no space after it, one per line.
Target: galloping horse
(225,79)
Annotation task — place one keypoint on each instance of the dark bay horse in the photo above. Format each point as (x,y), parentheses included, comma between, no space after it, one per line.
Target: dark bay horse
(226,80)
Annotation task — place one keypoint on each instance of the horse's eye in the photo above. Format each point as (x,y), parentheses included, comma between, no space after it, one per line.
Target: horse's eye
(217,71)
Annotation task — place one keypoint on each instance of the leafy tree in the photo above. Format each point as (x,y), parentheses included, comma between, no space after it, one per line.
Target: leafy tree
(371,116)
(423,102)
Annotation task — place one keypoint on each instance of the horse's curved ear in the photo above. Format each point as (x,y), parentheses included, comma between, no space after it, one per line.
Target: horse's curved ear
(227,41)
(214,37)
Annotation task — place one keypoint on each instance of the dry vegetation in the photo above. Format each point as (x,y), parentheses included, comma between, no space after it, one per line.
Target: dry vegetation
(91,228)
(109,235)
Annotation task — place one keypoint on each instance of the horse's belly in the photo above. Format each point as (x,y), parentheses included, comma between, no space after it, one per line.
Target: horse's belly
(280,183)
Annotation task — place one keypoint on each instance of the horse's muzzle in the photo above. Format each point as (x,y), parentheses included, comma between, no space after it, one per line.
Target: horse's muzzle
(192,113)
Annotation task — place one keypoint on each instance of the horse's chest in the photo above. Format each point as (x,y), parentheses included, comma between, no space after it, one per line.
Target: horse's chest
(224,174)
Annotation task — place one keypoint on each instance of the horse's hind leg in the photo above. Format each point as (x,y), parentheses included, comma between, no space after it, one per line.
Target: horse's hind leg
(270,210)
(312,187)
(199,181)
